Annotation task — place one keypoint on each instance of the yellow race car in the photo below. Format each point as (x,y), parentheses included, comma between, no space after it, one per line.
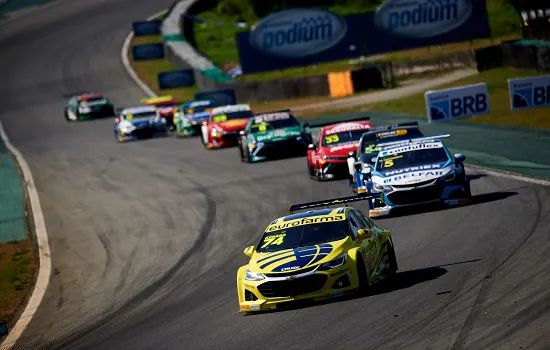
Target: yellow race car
(317,254)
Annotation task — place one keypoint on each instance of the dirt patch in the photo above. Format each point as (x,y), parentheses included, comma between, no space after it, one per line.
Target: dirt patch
(18,264)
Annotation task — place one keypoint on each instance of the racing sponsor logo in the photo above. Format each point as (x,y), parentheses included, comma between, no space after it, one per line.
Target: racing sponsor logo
(305,221)
(338,273)
(344,146)
(414,168)
(229,109)
(200,104)
(290,268)
(416,147)
(347,127)
(391,133)
(414,176)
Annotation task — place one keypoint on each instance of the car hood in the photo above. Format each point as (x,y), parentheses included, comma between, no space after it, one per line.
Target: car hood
(412,175)
(296,259)
(342,149)
(233,125)
(278,135)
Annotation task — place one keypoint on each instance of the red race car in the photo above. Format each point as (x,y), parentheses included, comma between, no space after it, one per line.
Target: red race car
(166,107)
(223,127)
(328,159)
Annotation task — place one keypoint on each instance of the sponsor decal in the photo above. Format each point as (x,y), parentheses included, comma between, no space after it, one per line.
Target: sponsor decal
(422,18)
(346,127)
(290,268)
(456,103)
(391,133)
(305,221)
(416,147)
(414,168)
(270,117)
(528,93)
(344,146)
(229,109)
(413,177)
(297,32)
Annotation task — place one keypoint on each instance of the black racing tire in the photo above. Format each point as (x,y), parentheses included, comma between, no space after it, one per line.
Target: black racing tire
(362,275)
(66,114)
(392,260)
(312,173)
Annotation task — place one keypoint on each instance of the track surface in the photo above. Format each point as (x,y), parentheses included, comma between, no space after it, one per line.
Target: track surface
(147,237)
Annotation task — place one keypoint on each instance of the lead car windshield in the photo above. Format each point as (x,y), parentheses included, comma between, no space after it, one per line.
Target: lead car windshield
(302,236)
(412,158)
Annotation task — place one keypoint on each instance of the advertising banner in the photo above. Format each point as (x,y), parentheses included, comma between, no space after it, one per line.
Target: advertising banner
(222,97)
(456,103)
(299,37)
(528,93)
(176,79)
(146,27)
(148,51)
(404,24)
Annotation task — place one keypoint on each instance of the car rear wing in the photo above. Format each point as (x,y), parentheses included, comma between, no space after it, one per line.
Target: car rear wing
(72,94)
(328,202)
(387,145)
(356,119)
(391,126)
(272,112)
(156,99)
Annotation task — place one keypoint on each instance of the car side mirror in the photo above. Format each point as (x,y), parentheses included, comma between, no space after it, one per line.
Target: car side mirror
(306,125)
(242,133)
(459,158)
(373,160)
(364,233)
(249,251)
(311,146)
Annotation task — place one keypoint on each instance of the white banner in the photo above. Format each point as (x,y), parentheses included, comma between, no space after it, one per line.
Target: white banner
(528,93)
(456,103)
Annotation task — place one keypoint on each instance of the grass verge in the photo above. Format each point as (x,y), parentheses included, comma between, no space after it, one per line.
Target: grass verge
(148,70)
(17,266)
(497,84)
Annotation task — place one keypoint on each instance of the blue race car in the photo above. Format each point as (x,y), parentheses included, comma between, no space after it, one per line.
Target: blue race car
(138,123)
(190,116)
(417,171)
(360,163)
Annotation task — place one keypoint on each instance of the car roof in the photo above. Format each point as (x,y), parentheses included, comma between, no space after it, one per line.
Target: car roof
(88,96)
(347,126)
(139,109)
(311,213)
(231,108)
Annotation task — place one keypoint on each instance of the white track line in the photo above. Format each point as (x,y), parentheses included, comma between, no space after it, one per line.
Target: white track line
(151,93)
(45,262)
(126,62)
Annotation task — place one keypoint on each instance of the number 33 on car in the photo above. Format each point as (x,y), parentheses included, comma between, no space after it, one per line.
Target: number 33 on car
(317,254)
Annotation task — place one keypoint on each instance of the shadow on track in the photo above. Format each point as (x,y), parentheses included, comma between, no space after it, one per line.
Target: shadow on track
(402,280)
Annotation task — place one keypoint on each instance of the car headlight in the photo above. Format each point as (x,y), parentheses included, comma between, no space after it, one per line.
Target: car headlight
(253,276)
(450,176)
(339,261)
(381,188)
(251,145)
(84,109)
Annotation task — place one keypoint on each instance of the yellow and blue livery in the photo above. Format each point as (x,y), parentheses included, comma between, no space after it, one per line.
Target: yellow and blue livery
(317,254)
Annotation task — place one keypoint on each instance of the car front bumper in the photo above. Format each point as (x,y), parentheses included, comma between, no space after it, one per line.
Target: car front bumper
(454,194)
(270,293)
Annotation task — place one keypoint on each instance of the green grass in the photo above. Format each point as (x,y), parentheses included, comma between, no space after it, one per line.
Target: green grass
(17,266)
(218,42)
(497,84)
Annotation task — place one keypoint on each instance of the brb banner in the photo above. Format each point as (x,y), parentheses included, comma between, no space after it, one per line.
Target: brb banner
(299,37)
(528,93)
(456,103)
(222,97)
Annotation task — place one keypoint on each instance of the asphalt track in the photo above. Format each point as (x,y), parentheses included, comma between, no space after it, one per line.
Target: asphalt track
(147,237)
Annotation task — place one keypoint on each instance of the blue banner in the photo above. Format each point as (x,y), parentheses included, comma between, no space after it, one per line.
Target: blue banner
(221,97)
(306,36)
(403,24)
(148,51)
(301,37)
(146,27)
(176,79)
(526,93)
